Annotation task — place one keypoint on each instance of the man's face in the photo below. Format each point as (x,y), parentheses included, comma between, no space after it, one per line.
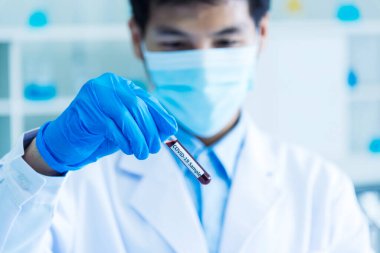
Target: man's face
(197,26)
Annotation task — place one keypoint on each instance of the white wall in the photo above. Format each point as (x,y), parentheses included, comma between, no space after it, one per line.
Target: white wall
(301,96)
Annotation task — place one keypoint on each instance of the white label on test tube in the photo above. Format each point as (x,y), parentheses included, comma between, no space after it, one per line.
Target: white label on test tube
(182,154)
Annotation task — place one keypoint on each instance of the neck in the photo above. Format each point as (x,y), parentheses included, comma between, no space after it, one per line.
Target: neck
(211,140)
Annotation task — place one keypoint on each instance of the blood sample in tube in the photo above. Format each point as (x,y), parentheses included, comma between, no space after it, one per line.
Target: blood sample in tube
(196,169)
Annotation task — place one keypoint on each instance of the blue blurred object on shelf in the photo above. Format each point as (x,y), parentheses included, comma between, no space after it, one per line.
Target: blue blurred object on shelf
(348,13)
(38,92)
(352,78)
(38,18)
(374,146)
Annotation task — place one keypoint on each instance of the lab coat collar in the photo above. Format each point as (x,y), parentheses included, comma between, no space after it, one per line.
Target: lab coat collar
(254,191)
(226,149)
(163,200)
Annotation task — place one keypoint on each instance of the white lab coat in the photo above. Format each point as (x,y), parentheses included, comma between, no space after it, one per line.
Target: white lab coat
(283,200)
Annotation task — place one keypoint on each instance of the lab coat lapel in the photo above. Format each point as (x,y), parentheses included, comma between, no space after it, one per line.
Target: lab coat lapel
(162,200)
(253,192)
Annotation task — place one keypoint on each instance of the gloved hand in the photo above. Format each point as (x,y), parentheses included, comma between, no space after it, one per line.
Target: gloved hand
(108,114)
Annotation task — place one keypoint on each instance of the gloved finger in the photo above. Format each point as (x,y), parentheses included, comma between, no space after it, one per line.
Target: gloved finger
(130,130)
(140,112)
(109,102)
(115,136)
(166,124)
(108,147)
(146,124)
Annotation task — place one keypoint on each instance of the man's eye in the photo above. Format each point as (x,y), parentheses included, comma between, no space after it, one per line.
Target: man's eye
(226,43)
(173,45)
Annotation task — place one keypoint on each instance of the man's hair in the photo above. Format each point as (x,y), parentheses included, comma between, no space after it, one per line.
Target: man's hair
(141,8)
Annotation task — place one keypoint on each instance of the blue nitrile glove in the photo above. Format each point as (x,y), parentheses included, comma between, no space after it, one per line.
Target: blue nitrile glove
(108,114)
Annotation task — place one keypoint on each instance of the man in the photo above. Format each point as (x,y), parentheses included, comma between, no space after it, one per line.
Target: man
(263,197)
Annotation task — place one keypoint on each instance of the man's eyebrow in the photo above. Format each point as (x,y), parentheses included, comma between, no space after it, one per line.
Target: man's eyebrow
(171,31)
(228,31)
(166,30)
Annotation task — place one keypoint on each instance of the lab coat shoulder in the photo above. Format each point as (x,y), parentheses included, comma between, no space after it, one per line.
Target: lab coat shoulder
(299,166)
(318,196)
(297,172)
(294,165)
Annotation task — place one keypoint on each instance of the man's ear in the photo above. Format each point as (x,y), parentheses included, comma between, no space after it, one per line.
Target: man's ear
(136,36)
(263,31)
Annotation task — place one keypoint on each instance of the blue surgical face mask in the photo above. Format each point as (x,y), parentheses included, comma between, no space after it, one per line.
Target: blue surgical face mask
(203,89)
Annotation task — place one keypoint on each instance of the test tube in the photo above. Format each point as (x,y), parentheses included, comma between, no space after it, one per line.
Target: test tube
(190,163)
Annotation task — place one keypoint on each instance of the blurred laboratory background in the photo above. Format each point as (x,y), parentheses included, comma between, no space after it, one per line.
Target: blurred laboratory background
(318,82)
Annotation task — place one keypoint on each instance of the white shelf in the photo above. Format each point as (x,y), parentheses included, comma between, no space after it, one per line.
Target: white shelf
(356,164)
(313,28)
(362,27)
(47,107)
(366,93)
(4,107)
(65,34)
(92,33)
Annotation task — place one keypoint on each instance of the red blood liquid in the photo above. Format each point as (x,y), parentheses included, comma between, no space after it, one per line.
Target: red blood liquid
(170,143)
(205,178)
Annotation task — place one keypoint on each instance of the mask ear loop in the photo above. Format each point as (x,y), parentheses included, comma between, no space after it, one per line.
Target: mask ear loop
(256,55)
(259,43)
(150,86)
(143,48)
